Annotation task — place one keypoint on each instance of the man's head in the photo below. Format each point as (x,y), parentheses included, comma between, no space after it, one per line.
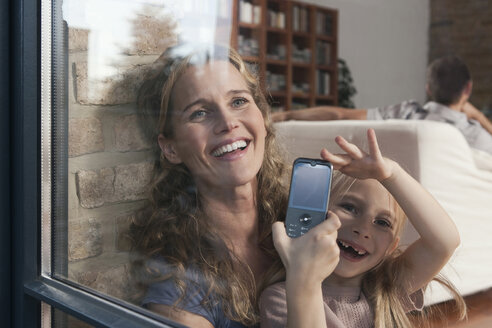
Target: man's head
(448,80)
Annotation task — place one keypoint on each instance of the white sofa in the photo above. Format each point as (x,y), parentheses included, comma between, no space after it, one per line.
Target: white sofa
(438,156)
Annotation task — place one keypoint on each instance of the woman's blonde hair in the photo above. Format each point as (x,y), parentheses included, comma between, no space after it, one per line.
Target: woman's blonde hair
(176,228)
(384,285)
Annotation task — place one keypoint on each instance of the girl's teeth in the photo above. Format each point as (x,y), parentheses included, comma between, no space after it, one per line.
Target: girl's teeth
(358,251)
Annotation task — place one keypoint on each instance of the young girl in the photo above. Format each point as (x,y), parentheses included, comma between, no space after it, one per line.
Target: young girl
(347,271)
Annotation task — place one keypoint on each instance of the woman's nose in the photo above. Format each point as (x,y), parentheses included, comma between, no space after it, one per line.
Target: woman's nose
(226,121)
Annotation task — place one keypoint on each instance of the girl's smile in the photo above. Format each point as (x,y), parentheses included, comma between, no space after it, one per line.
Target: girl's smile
(351,251)
(367,233)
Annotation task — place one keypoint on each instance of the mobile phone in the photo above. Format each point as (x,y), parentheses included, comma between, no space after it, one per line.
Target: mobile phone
(308,195)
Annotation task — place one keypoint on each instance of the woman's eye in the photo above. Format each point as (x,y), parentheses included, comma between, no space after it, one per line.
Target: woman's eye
(383,223)
(198,114)
(238,102)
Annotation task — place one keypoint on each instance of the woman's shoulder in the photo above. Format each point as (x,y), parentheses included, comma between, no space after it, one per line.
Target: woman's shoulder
(167,281)
(159,266)
(184,290)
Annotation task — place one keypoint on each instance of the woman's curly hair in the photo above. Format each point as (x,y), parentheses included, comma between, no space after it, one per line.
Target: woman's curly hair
(174,227)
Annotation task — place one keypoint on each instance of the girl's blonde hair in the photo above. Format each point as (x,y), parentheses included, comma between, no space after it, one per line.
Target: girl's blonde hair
(175,227)
(384,285)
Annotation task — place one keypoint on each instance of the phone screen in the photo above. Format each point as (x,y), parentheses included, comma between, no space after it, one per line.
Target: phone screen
(310,186)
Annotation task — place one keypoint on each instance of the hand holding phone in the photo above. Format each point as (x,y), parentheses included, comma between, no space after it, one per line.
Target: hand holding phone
(308,196)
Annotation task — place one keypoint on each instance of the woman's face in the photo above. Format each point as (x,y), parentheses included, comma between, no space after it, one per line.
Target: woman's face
(218,130)
(367,233)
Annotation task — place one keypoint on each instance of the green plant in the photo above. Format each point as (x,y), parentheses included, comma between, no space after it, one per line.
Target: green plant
(346,88)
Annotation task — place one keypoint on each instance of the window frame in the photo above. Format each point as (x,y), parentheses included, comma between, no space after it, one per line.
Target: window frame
(5,230)
(27,89)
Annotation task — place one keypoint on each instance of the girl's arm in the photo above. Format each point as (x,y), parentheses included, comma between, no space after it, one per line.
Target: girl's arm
(308,260)
(438,234)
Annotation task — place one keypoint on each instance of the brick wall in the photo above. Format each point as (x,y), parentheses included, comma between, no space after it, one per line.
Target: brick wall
(464,28)
(109,158)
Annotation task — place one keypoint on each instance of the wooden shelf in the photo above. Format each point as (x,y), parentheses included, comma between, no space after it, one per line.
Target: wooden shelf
(324,97)
(277,93)
(300,95)
(306,35)
(276,30)
(301,64)
(326,67)
(278,62)
(326,38)
(249,25)
(291,30)
(250,59)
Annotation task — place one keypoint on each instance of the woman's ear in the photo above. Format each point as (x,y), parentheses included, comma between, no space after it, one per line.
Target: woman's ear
(168,148)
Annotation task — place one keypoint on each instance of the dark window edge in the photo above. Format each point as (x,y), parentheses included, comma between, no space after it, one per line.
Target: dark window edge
(89,308)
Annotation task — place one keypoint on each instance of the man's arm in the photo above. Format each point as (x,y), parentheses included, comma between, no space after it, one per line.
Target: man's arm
(473,113)
(321,113)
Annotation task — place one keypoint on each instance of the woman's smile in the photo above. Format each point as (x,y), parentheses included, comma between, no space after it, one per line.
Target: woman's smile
(218,130)
(230,150)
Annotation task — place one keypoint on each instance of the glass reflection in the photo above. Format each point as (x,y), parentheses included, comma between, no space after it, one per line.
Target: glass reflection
(114,159)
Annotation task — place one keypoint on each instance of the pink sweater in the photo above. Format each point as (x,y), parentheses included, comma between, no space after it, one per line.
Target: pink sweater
(344,307)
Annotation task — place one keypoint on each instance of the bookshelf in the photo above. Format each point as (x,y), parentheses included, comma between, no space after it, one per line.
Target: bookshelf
(293,47)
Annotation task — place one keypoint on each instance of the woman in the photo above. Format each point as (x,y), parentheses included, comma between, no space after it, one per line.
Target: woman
(217,189)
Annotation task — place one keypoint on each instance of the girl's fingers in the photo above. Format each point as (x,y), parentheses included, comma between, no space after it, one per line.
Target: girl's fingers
(328,226)
(334,220)
(281,242)
(338,160)
(373,144)
(349,148)
(279,234)
(325,154)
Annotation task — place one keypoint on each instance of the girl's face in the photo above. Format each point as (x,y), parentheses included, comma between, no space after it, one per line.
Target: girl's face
(219,131)
(367,233)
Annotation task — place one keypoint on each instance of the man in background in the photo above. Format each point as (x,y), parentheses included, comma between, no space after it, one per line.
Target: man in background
(449,87)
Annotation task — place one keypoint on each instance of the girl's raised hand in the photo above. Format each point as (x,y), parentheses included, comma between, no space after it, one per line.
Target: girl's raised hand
(359,164)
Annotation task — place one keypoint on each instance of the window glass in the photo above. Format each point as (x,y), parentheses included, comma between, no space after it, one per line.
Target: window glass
(150,109)
(104,158)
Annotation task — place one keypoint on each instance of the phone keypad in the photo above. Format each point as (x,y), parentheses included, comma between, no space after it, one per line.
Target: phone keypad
(298,221)
(292,230)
